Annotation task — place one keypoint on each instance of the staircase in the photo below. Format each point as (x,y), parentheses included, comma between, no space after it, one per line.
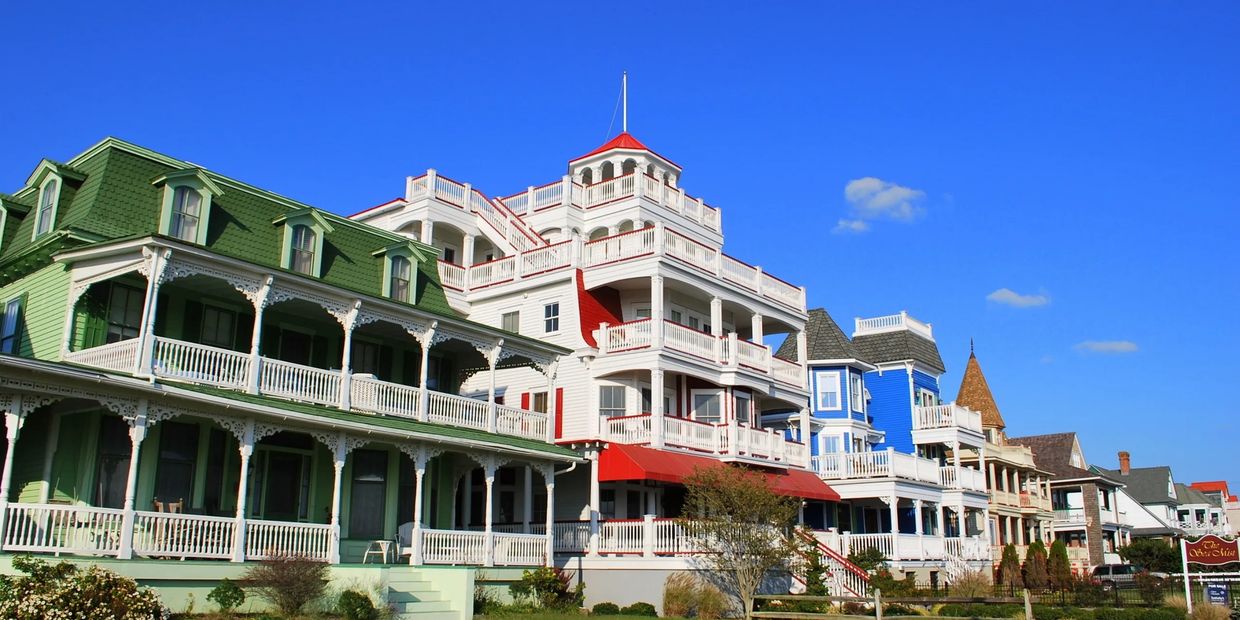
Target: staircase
(843,577)
(954,566)
(411,596)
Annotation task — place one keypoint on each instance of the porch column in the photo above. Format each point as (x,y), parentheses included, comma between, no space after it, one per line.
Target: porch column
(656,407)
(137,432)
(921,547)
(338,464)
(553,399)
(423,398)
(467,252)
(990,476)
(961,521)
(893,504)
(938,520)
(527,500)
(419,474)
(260,304)
(807,433)
(755,327)
(488,517)
(986,520)
(427,234)
(716,326)
(346,357)
(143,361)
(246,449)
(594,502)
(656,309)
(492,360)
(549,477)
(13,421)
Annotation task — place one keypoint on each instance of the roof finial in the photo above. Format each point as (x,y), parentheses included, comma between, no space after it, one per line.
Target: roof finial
(970,345)
(624,88)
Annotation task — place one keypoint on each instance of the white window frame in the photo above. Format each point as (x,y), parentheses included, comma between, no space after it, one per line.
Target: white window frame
(548,318)
(45,219)
(829,378)
(515,315)
(717,395)
(856,392)
(10,326)
(295,249)
(617,412)
(752,417)
(181,197)
(393,262)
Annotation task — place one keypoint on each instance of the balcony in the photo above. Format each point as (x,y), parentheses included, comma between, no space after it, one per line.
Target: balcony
(177,360)
(727,441)
(728,351)
(962,478)
(625,247)
(878,464)
(1029,501)
(597,195)
(950,416)
(1069,516)
(892,323)
(899,547)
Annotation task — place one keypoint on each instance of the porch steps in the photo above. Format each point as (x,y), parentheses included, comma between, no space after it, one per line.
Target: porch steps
(411,597)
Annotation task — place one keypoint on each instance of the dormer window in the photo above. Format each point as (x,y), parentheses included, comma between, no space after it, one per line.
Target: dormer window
(186,213)
(47,206)
(302,250)
(186,210)
(399,273)
(400,279)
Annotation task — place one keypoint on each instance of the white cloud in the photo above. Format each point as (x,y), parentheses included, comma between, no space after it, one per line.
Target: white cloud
(851,226)
(1048,359)
(872,198)
(1106,346)
(1009,297)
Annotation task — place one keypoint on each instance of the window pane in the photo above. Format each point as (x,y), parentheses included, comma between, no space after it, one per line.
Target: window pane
(551,317)
(400,278)
(8,326)
(45,207)
(511,321)
(706,408)
(611,400)
(828,390)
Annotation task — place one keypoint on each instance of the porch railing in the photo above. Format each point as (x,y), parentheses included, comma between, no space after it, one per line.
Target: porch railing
(947,416)
(183,536)
(369,394)
(453,547)
(300,382)
(962,478)
(187,361)
(721,439)
(266,539)
(520,549)
(50,528)
(876,464)
(116,356)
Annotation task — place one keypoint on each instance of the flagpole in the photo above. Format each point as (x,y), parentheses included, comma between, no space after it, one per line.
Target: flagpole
(1188,591)
(624,88)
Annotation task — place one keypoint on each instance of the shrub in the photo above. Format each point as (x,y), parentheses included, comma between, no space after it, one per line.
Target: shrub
(1151,554)
(288,582)
(853,608)
(640,609)
(1036,576)
(63,591)
(868,560)
(354,605)
(1152,589)
(890,586)
(971,584)
(227,596)
(606,609)
(1206,611)
(712,603)
(1009,566)
(1086,593)
(547,587)
(1058,567)
(680,594)
(1176,601)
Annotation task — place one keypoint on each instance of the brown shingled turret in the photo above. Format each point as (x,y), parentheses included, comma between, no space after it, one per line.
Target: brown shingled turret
(975,394)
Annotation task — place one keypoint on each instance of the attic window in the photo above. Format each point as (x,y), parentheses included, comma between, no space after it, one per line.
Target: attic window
(400,278)
(186,213)
(302,250)
(186,208)
(399,275)
(48,198)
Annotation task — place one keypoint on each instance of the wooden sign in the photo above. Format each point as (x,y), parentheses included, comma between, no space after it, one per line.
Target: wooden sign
(1211,551)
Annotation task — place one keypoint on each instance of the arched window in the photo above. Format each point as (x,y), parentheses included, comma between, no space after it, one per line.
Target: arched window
(47,208)
(628,167)
(650,170)
(301,258)
(186,213)
(587,176)
(399,284)
(609,171)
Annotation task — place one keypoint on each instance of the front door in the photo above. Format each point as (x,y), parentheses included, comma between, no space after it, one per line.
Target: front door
(284,483)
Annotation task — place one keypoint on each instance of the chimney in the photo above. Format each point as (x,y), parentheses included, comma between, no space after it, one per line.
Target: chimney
(1125,462)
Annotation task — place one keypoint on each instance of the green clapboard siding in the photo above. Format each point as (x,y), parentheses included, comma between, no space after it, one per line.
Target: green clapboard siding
(46,292)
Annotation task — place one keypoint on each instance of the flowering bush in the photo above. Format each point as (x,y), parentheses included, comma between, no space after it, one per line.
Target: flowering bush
(62,591)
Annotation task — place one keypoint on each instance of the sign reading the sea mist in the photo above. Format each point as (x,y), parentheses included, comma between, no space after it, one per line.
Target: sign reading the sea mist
(1211,551)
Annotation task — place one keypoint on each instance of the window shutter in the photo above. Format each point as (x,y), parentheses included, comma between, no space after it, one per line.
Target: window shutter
(559,412)
(525,401)
(245,331)
(91,317)
(191,322)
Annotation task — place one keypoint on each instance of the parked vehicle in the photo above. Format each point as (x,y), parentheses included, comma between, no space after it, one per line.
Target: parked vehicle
(1111,576)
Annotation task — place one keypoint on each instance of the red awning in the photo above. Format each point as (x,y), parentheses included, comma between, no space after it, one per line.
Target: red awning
(621,462)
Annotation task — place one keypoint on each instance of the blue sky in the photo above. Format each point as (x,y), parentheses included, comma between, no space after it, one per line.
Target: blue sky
(1082,156)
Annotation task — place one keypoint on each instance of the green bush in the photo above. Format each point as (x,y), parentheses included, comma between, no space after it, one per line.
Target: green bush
(605,609)
(1035,566)
(639,609)
(227,596)
(354,605)
(63,591)
(548,588)
(1058,568)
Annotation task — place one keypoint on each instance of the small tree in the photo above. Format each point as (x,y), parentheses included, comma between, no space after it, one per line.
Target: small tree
(742,526)
(1058,567)
(1035,566)
(1009,566)
(227,595)
(288,581)
(1151,554)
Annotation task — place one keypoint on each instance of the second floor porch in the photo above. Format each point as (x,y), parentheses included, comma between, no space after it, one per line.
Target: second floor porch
(892,464)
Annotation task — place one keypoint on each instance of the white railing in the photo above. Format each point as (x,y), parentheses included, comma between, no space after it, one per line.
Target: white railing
(457,410)
(1070,515)
(268,539)
(781,291)
(48,528)
(787,372)
(299,382)
(449,191)
(876,464)
(673,537)
(797,453)
(890,323)
(520,549)
(686,433)
(451,275)
(609,190)
(1005,498)
(177,359)
(370,394)
(632,429)
(454,547)
(520,422)
(119,356)
(517,202)
(183,536)
(859,542)
(548,195)
(914,467)
(753,355)
(971,548)
(493,272)
(618,247)
(625,336)
(946,416)
(571,536)
(547,258)
(620,537)
(965,478)
(740,273)
(689,340)
(696,254)
(758,442)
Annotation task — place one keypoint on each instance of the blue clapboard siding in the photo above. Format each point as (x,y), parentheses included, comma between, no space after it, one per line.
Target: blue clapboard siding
(891,407)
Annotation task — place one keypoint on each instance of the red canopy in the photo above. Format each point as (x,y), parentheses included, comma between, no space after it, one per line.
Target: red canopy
(623,462)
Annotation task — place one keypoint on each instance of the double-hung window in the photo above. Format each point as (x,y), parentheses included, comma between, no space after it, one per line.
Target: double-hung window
(47,208)
(551,317)
(707,407)
(9,326)
(219,327)
(510,322)
(611,401)
(301,257)
(399,285)
(856,392)
(124,313)
(827,390)
(186,214)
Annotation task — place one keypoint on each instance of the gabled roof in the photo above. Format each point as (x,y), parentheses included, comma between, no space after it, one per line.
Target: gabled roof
(824,339)
(898,346)
(1053,453)
(975,394)
(1147,485)
(1189,495)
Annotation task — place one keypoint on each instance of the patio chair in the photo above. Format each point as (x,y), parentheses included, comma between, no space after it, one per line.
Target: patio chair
(404,539)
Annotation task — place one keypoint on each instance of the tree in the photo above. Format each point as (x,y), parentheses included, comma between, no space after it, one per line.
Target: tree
(1152,554)
(743,528)
(1058,567)
(1009,566)
(1035,566)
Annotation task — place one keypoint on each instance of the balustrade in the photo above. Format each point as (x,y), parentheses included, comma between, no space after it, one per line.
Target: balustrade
(176,359)
(116,356)
(183,536)
(269,539)
(48,528)
(947,416)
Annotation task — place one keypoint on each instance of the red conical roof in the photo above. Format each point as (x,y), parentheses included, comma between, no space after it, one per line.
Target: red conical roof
(623,141)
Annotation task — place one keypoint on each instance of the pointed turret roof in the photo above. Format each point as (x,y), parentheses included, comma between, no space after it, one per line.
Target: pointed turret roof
(824,340)
(624,140)
(975,394)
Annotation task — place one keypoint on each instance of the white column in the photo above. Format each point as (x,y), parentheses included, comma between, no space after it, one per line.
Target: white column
(656,407)
(260,304)
(656,311)
(755,326)
(419,478)
(893,504)
(960,520)
(246,450)
(492,360)
(921,546)
(594,502)
(427,235)
(553,399)
(549,477)
(488,516)
(137,432)
(338,464)
(424,398)
(716,328)
(146,337)
(986,527)
(807,434)
(467,251)
(346,357)
(527,500)
(13,421)
(938,520)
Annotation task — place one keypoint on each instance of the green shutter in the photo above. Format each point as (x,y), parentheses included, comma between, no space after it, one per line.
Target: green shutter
(91,317)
